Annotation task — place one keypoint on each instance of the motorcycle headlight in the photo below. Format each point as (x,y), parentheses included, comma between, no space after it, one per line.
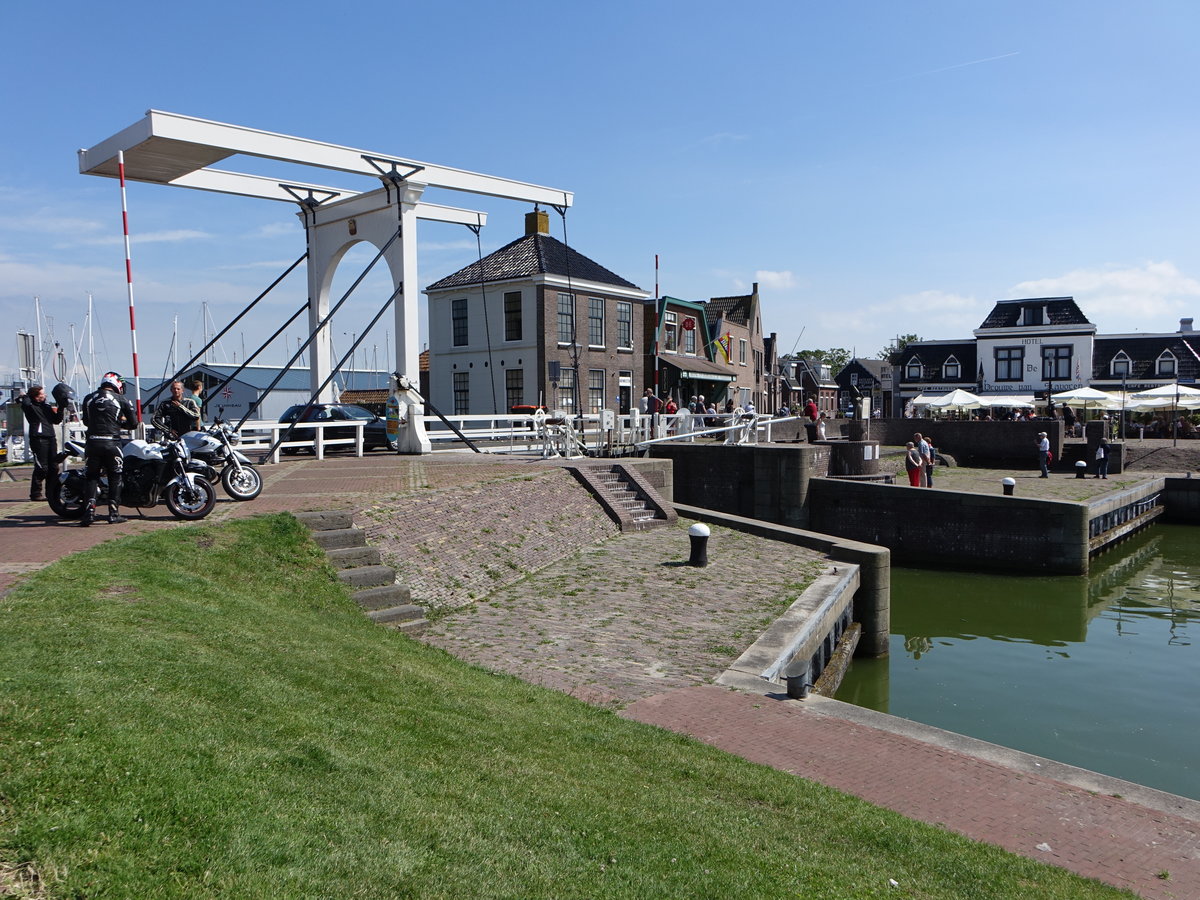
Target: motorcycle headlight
(234,437)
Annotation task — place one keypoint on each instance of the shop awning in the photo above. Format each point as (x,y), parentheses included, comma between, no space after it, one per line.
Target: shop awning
(698,369)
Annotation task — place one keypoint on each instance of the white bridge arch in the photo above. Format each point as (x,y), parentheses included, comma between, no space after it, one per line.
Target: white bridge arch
(168,148)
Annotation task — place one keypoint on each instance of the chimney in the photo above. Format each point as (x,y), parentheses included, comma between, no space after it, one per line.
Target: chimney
(1185,325)
(537,222)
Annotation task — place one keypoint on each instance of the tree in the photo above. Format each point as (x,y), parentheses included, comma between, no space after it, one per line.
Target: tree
(901,341)
(835,357)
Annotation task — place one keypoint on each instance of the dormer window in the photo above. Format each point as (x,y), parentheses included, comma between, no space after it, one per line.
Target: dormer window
(1121,365)
(1165,366)
(1033,315)
(913,370)
(951,370)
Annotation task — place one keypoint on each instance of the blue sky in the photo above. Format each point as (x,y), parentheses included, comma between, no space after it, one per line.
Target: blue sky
(879,168)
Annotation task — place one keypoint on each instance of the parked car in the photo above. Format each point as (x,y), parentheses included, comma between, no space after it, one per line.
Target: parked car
(374,431)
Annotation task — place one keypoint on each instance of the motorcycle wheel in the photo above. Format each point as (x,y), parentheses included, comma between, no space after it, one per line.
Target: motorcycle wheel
(241,485)
(185,502)
(67,504)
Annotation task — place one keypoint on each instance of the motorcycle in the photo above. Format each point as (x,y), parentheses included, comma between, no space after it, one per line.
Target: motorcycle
(152,471)
(213,445)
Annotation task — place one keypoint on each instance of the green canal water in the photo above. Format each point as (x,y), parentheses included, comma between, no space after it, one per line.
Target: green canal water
(1101,672)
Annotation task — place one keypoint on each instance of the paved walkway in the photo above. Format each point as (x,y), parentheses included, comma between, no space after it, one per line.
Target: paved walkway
(1143,840)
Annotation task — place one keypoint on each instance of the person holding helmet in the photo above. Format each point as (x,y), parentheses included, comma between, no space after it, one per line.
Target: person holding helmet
(105,413)
(42,418)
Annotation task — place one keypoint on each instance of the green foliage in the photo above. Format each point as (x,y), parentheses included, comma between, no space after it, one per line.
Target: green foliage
(835,357)
(203,712)
(898,345)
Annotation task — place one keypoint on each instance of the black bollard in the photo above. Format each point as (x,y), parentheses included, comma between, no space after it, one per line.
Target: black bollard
(1010,485)
(698,534)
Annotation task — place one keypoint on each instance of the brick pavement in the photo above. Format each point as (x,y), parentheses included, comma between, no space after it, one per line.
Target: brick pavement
(1113,839)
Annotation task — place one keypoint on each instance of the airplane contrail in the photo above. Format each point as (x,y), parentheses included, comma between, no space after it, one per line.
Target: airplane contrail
(973,62)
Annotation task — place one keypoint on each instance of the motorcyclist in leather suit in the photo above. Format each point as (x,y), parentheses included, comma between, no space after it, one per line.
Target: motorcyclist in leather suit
(105,413)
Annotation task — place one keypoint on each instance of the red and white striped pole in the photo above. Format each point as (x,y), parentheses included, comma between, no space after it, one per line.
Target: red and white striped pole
(137,385)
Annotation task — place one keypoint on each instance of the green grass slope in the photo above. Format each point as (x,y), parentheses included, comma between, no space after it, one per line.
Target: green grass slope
(202,712)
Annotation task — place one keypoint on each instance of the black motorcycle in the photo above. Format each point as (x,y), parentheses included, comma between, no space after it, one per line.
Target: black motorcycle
(152,471)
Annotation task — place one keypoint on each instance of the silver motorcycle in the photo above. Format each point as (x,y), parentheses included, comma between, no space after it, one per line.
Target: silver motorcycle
(215,445)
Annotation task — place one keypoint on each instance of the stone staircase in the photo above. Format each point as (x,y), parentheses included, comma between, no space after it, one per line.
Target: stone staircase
(359,567)
(626,496)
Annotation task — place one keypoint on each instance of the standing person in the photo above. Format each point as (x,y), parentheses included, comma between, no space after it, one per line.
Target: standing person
(810,409)
(1044,454)
(105,413)
(1069,420)
(912,464)
(180,410)
(821,427)
(922,446)
(1102,457)
(931,464)
(42,418)
(644,403)
(197,398)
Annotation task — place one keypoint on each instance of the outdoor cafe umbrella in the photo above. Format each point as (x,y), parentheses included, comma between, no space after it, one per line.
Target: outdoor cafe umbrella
(1089,397)
(956,399)
(1177,395)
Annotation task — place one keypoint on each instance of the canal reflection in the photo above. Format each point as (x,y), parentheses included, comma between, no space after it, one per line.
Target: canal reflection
(1099,672)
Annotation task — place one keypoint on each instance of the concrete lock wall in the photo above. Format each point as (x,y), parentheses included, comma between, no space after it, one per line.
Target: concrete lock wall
(1181,497)
(764,482)
(975,443)
(941,527)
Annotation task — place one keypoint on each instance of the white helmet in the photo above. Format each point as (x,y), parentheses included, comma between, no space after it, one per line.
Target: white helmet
(114,380)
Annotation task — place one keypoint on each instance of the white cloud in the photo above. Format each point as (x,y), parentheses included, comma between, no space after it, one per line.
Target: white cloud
(724,137)
(1134,298)
(775,281)
(145,237)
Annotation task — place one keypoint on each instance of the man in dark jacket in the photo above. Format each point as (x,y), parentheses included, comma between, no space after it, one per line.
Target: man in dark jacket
(42,418)
(105,413)
(180,411)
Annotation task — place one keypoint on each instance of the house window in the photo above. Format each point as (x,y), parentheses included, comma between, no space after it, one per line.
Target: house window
(462,393)
(670,332)
(1164,366)
(854,378)
(1120,365)
(913,370)
(514,387)
(566,318)
(459,316)
(742,351)
(595,390)
(566,390)
(596,321)
(1056,363)
(951,369)
(624,325)
(1033,315)
(689,338)
(1009,362)
(512,316)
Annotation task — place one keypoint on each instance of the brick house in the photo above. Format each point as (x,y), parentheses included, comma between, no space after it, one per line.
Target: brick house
(736,331)
(535,322)
(681,359)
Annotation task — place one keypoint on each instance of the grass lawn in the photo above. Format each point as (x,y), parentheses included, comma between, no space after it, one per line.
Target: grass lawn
(202,712)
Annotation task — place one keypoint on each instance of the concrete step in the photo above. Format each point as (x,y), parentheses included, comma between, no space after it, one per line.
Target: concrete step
(349,557)
(411,627)
(402,613)
(327,520)
(340,538)
(382,597)
(367,576)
